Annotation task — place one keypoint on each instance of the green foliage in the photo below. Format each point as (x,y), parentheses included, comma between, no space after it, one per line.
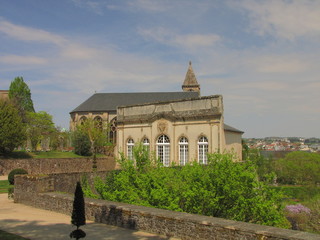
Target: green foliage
(313,223)
(12,130)
(20,94)
(60,139)
(81,143)
(222,188)
(4,186)
(264,166)
(301,193)
(14,172)
(39,124)
(299,168)
(97,133)
(78,217)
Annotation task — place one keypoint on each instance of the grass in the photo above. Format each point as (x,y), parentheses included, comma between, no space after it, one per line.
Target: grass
(298,193)
(4,186)
(10,236)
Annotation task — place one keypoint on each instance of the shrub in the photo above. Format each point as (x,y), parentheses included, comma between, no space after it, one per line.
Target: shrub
(14,172)
(222,188)
(81,143)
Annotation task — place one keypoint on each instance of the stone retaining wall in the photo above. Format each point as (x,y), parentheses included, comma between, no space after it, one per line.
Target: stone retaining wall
(37,191)
(56,165)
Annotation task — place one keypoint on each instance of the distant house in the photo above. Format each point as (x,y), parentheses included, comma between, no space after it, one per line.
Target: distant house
(178,126)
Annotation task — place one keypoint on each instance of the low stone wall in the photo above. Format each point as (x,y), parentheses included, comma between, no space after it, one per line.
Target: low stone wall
(37,191)
(56,165)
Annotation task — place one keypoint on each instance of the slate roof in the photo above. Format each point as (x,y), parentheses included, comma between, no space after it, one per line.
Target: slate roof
(107,102)
(231,129)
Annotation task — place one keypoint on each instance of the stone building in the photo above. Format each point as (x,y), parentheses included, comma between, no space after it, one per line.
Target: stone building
(178,126)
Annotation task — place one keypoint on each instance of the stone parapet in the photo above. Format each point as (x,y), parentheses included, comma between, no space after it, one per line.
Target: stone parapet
(31,190)
(56,165)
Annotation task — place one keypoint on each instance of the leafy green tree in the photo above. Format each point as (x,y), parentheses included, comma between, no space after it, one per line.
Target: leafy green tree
(81,143)
(39,125)
(299,168)
(98,134)
(12,130)
(20,94)
(78,217)
(222,188)
(60,139)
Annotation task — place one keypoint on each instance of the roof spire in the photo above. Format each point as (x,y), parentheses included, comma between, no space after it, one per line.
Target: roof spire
(190,83)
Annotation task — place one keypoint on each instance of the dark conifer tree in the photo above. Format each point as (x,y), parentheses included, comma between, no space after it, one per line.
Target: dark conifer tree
(78,217)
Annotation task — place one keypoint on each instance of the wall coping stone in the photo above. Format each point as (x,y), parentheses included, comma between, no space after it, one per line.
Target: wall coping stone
(266,232)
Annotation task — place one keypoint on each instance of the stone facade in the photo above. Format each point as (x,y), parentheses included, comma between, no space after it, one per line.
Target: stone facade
(38,191)
(189,120)
(53,165)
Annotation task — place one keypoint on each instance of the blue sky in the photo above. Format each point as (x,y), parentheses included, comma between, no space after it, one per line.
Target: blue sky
(262,56)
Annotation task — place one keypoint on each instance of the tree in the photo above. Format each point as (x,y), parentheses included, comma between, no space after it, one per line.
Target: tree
(81,143)
(299,168)
(12,129)
(39,125)
(98,134)
(20,94)
(78,217)
(222,188)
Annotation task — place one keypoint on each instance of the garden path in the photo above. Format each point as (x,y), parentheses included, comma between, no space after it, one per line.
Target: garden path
(38,224)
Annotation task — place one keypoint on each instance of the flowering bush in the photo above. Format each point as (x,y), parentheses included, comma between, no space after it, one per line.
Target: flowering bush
(298,215)
(298,208)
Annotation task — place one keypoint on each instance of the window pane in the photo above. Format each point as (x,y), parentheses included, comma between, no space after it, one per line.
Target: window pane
(163,150)
(203,150)
(130,145)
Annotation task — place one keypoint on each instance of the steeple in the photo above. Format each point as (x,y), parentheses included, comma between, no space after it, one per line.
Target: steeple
(190,83)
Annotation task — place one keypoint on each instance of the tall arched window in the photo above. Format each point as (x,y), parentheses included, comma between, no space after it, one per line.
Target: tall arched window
(163,150)
(146,143)
(130,145)
(183,151)
(203,150)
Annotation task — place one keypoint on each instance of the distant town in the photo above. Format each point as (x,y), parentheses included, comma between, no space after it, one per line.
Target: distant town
(284,144)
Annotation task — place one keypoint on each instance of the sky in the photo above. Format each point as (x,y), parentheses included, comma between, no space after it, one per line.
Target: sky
(263,57)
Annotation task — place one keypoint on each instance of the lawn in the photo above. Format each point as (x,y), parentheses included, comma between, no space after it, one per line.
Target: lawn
(9,236)
(4,186)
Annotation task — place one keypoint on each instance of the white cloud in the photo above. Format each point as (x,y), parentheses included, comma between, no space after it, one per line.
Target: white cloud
(22,60)
(29,34)
(284,19)
(149,5)
(167,37)
(289,63)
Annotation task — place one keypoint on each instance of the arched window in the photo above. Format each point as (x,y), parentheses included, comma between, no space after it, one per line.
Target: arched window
(163,150)
(203,150)
(113,131)
(83,119)
(146,143)
(98,122)
(183,151)
(130,145)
